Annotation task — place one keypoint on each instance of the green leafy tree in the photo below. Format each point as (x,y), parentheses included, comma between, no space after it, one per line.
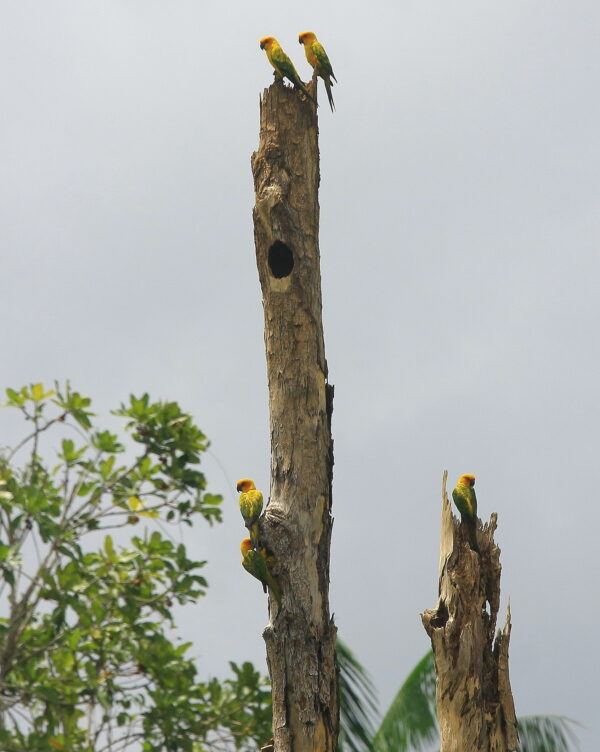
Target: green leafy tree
(89,579)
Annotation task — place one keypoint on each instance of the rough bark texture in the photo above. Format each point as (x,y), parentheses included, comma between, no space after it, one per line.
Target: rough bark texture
(475,707)
(297,523)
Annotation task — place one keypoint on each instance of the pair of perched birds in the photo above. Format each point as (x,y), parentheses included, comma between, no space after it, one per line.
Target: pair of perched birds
(316,56)
(256,560)
(466,503)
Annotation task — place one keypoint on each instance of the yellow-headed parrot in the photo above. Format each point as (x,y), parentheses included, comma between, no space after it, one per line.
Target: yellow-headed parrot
(284,68)
(251,504)
(317,57)
(466,503)
(255,563)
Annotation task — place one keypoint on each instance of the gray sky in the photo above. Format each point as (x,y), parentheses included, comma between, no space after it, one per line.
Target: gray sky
(459,240)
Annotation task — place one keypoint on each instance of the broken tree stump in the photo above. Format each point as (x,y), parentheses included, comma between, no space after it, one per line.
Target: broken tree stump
(474,702)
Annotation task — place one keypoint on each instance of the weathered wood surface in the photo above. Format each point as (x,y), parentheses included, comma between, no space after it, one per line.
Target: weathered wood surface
(475,707)
(297,523)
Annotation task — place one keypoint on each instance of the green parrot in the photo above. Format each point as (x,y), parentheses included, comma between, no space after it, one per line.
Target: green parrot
(466,503)
(258,564)
(284,68)
(251,504)
(317,57)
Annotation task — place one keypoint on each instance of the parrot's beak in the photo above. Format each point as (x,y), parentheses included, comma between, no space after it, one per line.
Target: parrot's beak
(262,46)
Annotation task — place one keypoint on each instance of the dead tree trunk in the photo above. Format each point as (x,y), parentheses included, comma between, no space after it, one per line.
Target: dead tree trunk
(474,702)
(297,523)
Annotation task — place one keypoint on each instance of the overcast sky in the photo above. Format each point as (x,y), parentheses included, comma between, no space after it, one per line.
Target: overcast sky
(460,190)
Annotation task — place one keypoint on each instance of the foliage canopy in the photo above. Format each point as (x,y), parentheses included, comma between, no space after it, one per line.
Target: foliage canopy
(90,574)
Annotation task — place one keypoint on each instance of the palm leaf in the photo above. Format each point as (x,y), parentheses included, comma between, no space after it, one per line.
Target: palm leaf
(358,703)
(410,722)
(547,733)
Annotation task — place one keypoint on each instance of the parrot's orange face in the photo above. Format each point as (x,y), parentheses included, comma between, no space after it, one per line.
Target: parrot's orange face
(306,36)
(467,480)
(266,42)
(245,484)
(245,546)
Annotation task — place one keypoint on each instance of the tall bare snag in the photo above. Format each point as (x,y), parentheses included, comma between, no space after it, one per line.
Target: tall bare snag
(297,524)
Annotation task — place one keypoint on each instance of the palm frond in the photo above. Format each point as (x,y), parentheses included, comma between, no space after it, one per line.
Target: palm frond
(547,733)
(358,703)
(410,722)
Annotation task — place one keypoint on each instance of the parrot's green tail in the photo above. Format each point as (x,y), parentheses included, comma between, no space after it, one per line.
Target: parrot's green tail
(275,590)
(471,525)
(329,94)
(254,533)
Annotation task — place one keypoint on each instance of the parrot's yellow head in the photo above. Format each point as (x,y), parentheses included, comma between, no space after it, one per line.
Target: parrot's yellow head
(466,480)
(245,546)
(267,42)
(307,37)
(245,484)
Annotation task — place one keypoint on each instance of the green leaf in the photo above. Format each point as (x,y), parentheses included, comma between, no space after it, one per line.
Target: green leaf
(107,442)
(212,499)
(15,399)
(109,548)
(410,722)
(106,467)
(69,454)
(358,702)
(38,394)
(82,417)
(547,733)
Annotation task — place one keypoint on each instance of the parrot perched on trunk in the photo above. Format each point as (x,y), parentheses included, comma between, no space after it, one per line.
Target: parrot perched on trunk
(284,68)
(317,57)
(466,503)
(251,503)
(258,565)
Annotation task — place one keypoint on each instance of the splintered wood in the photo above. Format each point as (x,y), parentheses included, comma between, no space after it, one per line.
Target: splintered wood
(474,702)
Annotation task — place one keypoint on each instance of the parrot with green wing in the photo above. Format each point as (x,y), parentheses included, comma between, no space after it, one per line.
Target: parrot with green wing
(259,564)
(317,57)
(251,504)
(284,68)
(466,503)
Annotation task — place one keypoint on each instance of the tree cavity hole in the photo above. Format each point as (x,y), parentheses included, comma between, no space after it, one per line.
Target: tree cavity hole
(281,260)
